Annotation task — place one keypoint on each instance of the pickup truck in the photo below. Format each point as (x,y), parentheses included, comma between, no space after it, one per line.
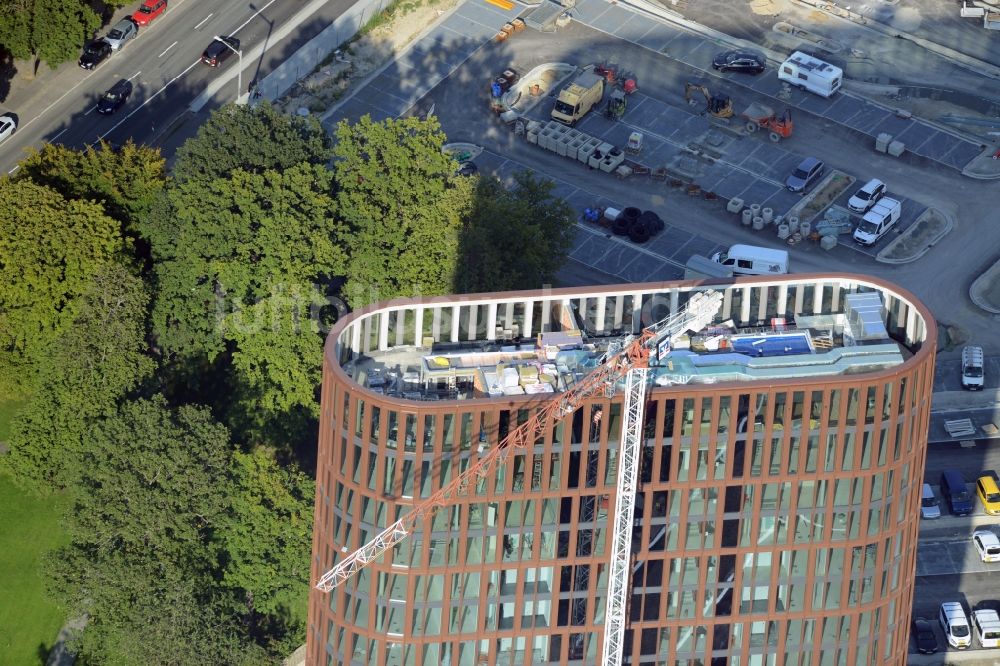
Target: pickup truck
(877,221)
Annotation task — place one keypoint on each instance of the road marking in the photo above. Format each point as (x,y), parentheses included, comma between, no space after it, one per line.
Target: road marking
(53,139)
(251,18)
(14,169)
(167,49)
(90,110)
(200,23)
(134,75)
(149,99)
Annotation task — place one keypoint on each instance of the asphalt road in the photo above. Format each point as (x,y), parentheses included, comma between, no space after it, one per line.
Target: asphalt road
(163,64)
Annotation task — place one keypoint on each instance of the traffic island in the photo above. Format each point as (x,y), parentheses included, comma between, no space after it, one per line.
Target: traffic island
(985,291)
(920,237)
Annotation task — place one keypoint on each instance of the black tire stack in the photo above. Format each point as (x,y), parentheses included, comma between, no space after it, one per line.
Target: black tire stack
(647,225)
(622,226)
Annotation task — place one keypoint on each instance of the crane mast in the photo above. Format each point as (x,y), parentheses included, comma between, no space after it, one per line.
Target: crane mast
(627,357)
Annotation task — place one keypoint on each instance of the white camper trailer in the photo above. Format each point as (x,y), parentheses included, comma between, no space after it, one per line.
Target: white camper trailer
(812,74)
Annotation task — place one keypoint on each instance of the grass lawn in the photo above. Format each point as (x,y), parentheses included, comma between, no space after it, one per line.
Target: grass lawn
(28,527)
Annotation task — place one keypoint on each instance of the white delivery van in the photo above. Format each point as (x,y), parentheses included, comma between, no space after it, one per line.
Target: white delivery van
(812,74)
(877,221)
(753,260)
(972,368)
(955,625)
(987,627)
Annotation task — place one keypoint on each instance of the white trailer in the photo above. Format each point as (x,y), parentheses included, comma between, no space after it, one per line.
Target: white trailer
(804,71)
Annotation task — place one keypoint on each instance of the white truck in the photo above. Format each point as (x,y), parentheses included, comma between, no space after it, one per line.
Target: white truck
(878,221)
(804,71)
(972,368)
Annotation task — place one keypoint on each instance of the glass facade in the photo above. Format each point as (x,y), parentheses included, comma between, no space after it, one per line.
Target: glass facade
(776,521)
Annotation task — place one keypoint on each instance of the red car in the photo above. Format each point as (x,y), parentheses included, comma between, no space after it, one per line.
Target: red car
(149,10)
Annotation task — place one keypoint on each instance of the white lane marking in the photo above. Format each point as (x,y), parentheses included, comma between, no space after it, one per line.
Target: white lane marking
(200,23)
(90,110)
(14,169)
(134,75)
(251,18)
(53,139)
(149,99)
(167,49)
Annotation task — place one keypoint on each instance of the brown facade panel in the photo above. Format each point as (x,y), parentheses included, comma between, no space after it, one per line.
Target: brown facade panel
(776,521)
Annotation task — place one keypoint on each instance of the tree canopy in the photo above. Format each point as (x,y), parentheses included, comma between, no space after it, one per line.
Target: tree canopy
(514,238)
(175,539)
(52,30)
(238,262)
(404,205)
(85,371)
(253,139)
(50,249)
(126,180)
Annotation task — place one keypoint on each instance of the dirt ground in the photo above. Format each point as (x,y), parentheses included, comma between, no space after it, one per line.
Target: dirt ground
(318,91)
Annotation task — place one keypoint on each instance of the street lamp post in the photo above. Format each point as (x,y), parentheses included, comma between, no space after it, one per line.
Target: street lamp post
(239,74)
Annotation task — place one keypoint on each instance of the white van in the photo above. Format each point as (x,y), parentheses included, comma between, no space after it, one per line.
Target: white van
(753,260)
(877,221)
(972,368)
(955,625)
(812,74)
(987,627)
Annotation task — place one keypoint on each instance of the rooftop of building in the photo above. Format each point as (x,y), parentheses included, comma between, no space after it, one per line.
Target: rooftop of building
(854,339)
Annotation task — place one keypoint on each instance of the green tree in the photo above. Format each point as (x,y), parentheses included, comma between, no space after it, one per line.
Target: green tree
(268,542)
(50,250)
(153,490)
(514,238)
(126,180)
(250,138)
(85,372)
(15,28)
(224,245)
(278,350)
(60,28)
(400,197)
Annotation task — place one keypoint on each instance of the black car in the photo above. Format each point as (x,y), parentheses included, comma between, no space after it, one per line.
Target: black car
(750,62)
(923,636)
(94,54)
(219,50)
(116,96)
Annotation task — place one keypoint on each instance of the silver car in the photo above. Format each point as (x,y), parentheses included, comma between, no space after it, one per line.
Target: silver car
(122,31)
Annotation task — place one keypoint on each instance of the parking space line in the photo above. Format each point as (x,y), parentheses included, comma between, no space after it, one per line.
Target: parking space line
(134,75)
(14,169)
(90,110)
(202,22)
(53,139)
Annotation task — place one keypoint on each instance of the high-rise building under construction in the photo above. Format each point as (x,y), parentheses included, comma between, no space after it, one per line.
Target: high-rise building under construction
(780,460)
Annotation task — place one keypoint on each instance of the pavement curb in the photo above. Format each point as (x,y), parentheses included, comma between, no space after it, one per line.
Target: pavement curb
(949,225)
(982,283)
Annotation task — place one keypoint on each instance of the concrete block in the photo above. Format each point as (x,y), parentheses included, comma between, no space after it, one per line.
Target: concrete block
(828,242)
(783,231)
(767,214)
(747,217)
(532,137)
(758,223)
(612,162)
(595,161)
(896,148)
(882,142)
(755,209)
(805,228)
(735,205)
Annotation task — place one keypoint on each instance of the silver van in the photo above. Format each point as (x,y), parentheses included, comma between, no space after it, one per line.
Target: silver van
(929,506)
